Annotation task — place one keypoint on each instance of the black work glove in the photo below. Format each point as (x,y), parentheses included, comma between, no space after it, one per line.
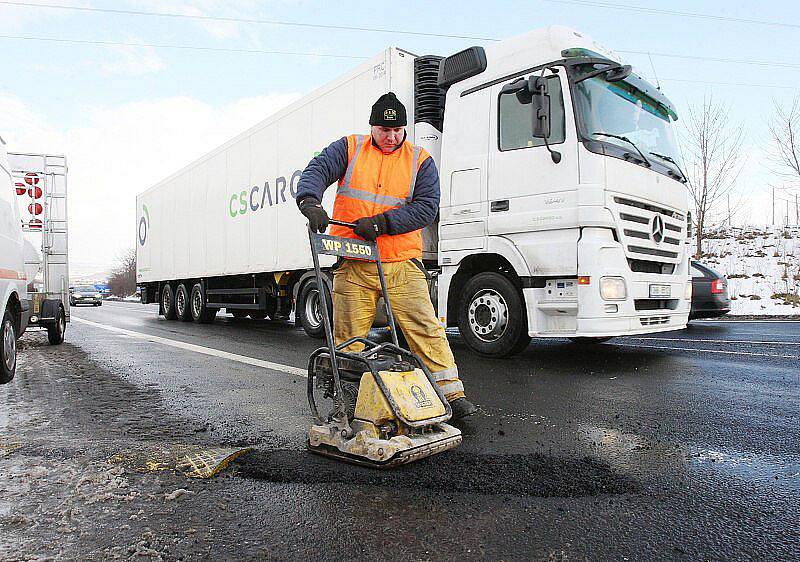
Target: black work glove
(318,219)
(369,228)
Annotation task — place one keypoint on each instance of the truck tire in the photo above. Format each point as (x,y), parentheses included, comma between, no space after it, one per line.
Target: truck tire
(183,310)
(201,314)
(590,340)
(55,332)
(8,348)
(168,302)
(492,317)
(307,309)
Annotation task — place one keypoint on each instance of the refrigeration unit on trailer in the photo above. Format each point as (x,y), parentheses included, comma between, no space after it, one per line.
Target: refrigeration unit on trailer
(563,210)
(40,182)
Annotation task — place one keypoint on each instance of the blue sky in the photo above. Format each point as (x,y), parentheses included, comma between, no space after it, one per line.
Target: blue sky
(162,107)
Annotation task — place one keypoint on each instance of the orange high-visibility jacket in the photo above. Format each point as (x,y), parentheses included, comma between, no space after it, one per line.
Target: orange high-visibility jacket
(375,183)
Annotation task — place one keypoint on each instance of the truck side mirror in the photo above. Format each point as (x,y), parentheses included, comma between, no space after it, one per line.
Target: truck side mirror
(540,99)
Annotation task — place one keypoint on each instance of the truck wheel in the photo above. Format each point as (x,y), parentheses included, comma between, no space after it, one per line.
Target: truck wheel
(590,340)
(55,332)
(168,302)
(200,312)
(307,309)
(492,317)
(8,348)
(182,309)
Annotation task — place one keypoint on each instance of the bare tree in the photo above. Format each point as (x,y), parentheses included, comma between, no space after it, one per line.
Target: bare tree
(710,147)
(784,128)
(122,282)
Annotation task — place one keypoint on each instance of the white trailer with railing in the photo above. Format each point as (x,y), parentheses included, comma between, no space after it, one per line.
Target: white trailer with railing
(563,210)
(40,182)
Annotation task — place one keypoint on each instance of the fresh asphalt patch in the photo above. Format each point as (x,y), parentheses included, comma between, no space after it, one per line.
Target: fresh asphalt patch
(515,474)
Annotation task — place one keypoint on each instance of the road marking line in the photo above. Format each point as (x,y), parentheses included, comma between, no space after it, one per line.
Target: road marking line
(746,321)
(717,341)
(709,351)
(199,349)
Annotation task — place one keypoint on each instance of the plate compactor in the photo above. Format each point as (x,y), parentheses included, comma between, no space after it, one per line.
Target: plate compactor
(387,410)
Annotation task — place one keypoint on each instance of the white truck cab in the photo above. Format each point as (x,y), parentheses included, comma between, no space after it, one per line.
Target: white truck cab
(14,307)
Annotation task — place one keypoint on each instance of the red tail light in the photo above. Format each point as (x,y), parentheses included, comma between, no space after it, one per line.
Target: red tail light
(717,287)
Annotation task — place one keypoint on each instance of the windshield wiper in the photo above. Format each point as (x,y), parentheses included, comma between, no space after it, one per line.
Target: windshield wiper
(671,161)
(629,141)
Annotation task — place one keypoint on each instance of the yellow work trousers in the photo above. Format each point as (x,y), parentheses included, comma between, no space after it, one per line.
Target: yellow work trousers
(356,290)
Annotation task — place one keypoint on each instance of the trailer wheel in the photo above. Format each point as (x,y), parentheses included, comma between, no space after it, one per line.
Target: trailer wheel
(55,332)
(492,317)
(201,314)
(168,302)
(307,309)
(182,304)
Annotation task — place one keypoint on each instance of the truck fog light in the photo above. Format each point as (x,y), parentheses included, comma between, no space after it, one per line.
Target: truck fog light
(612,308)
(687,292)
(34,318)
(613,288)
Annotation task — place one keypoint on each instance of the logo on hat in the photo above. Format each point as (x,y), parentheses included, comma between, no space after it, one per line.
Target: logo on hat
(390,115)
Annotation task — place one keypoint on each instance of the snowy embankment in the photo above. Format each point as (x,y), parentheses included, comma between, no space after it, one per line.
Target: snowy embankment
(762,265)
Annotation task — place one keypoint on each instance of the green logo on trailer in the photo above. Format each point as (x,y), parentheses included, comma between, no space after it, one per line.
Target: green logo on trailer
(144,225)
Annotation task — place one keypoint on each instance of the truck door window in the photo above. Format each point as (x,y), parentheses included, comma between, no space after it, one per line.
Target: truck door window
(516,119)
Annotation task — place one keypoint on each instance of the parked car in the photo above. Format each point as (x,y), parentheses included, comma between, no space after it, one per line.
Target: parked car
(85,294)
(14,305)
(709,293)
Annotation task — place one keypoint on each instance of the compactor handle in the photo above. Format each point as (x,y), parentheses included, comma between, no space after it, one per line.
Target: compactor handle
(342,223)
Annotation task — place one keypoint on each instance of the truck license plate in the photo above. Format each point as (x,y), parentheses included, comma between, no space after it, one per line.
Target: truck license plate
(659,291)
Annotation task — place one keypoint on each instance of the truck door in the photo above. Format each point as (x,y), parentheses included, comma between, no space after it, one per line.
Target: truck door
(532,200)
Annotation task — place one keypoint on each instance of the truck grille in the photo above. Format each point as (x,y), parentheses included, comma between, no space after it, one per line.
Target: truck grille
(654,320)
(649,233)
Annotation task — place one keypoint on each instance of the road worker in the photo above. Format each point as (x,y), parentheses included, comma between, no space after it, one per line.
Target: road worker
(390,189)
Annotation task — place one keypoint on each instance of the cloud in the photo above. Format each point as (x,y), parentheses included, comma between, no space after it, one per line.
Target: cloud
(17,18)
(121,152)
(131,61)
(213,8)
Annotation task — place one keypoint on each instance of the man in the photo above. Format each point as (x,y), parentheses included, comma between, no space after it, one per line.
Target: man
(390,189)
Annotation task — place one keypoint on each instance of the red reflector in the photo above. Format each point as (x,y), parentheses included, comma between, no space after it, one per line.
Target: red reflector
(35,208)
(35,224)
(31,178)
(584,280)
(20,188)
(717,287)
(35,192)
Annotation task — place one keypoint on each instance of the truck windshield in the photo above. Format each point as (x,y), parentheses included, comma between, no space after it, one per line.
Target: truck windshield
(620,109)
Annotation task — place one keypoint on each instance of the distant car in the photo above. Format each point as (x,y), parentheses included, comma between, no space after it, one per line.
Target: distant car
(85,294)
(709,293)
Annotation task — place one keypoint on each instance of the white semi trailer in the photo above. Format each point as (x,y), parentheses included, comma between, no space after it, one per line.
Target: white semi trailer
(563,211)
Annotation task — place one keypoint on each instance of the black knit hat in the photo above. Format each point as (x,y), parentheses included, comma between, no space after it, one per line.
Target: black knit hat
(388,112)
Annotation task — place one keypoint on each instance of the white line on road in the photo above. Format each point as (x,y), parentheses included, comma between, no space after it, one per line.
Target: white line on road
(708,351)
(199,349)
(746,321)
(718,341)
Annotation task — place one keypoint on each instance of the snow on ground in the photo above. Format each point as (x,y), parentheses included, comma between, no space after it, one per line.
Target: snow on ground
(762,266)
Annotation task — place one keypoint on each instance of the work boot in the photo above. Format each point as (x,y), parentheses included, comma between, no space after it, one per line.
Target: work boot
(462,408)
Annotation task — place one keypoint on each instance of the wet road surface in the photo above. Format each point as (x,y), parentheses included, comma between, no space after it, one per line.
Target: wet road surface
(681,445)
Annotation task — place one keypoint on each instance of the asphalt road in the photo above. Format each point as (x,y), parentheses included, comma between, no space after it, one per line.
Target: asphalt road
(682,445)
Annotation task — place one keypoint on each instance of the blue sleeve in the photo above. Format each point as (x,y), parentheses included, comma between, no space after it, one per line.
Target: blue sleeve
(326,168)
(424,205)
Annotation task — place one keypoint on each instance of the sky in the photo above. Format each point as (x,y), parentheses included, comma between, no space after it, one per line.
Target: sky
(127,116)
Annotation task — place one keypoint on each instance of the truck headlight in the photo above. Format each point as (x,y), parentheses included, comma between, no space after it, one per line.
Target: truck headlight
(687,292)
(613,289)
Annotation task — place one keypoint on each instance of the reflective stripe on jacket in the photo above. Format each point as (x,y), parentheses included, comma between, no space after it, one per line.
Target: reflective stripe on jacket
(375,183)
